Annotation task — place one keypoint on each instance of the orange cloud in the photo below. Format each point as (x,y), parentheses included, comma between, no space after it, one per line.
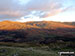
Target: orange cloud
(56,11)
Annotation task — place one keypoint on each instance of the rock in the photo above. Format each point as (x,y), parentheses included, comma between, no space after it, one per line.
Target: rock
(3,50)
(15,54)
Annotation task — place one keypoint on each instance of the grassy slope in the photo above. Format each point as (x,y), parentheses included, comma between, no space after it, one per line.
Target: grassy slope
(9,51)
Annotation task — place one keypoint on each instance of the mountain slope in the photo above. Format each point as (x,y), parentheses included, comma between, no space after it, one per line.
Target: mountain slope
(35,31)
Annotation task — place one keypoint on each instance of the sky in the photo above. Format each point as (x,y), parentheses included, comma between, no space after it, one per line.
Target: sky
(37,10)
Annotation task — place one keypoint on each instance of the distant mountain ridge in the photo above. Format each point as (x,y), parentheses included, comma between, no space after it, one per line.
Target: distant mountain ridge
(11,25)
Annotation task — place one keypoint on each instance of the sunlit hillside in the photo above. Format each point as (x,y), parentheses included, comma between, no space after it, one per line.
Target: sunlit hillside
(11,25)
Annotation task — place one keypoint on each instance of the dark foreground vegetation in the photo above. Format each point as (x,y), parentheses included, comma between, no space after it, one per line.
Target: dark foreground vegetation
(23,49)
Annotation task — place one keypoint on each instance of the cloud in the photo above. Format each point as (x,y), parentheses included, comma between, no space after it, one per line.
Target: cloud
(45,5)
(11,9)
(12,14)
(15,9)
